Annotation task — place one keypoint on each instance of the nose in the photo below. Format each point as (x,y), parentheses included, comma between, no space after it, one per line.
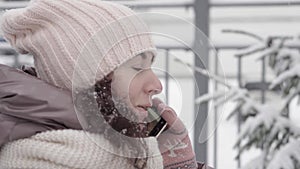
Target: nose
(153,85)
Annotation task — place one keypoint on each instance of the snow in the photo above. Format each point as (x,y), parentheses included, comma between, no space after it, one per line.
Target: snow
(267,125)
(269,129)
(266,116)
(256,163)
(268,120)
(209,96)
(233,94)
(294,71)
(291,53)
(284,158)
(250,50)
(276,46)
(204,72)
(293,64)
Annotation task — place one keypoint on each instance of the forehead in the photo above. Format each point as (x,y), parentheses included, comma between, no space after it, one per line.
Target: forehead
(143,57)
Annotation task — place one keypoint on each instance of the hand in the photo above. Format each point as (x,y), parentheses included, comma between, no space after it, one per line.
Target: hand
(174,143)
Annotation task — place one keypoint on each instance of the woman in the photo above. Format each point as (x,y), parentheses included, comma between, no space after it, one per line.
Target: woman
(101,52)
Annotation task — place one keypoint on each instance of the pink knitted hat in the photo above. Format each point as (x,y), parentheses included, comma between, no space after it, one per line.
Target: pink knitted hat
(91,37)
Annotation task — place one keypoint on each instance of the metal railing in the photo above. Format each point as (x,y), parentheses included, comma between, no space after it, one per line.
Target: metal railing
(173,4)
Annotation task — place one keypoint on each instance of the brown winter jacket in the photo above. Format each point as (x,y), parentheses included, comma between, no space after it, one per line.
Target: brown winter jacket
(29,106)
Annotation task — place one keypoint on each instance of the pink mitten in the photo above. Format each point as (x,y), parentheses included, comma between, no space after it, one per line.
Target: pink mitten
(174,143)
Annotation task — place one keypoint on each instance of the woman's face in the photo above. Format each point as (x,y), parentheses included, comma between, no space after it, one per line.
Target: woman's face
(134,84)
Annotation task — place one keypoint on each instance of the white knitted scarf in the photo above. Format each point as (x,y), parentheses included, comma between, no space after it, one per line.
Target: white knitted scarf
(70,149)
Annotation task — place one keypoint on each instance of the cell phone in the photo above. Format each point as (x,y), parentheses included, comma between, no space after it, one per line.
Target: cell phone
(157,124)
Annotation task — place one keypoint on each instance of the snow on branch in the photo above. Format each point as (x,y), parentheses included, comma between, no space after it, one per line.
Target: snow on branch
(293,72)
(209,96)
(284,158)
(251,49)
(267,126)
(293,69)
(266,116)
(204,72)
(243,33)
(256,163)
(221,96)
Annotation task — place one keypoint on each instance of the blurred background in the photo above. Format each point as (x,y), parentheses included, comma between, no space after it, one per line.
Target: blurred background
(236,45)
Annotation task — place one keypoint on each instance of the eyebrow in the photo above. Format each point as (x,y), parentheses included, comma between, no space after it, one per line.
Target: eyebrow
(152,60)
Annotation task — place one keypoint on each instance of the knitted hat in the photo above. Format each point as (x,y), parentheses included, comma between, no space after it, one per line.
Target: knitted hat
(91,37)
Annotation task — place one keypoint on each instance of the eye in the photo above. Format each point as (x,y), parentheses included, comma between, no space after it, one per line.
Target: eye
(137,68)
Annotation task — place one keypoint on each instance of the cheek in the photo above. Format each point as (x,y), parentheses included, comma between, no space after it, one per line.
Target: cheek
(126,86)
(135,91)
(119,88)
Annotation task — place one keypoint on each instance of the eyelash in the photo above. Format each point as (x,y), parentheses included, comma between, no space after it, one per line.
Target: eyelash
(137,69)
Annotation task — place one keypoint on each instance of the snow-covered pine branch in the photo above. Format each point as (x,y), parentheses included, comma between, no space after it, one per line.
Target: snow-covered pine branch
(292,69)
(285,157)
(265,126)
(270,129)
(205,73)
